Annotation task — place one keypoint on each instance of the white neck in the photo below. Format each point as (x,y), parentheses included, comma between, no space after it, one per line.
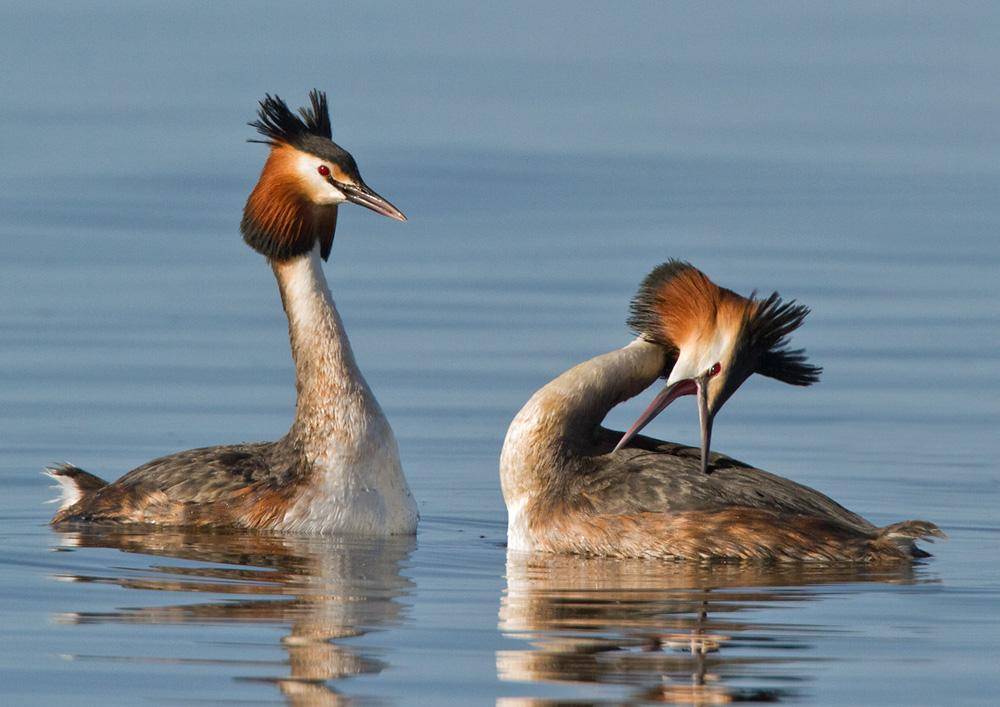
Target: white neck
(334,404)
(358,484)
(564,413)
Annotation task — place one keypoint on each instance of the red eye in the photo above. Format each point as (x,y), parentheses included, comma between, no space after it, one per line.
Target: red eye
(324,170)
(714,370)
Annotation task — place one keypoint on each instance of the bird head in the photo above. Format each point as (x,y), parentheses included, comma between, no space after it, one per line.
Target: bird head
(306,176)
(716,339)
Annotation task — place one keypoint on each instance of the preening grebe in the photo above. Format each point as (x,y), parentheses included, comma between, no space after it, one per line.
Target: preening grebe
(569,488)
(717,338)
(337,469)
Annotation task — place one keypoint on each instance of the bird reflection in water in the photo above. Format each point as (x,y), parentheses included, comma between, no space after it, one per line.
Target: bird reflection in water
(678,633)
(323,589)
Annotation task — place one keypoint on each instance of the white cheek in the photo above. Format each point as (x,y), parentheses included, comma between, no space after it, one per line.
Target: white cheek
(320,191)
(685,367)
(692,362)
(716,351)
(327,195)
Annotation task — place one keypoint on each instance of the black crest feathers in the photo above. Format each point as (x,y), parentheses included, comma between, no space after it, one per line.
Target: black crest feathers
(279,124)
(767,328)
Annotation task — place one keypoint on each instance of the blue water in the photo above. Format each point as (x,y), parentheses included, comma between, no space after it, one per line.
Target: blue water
(848,156)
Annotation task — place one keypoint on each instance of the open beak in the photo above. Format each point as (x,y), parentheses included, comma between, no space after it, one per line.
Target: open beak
(668,395)
(659,404)
(365,196)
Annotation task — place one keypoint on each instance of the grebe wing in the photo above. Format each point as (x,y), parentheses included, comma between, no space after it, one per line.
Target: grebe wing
(651,476)
(206,474)
(245,485)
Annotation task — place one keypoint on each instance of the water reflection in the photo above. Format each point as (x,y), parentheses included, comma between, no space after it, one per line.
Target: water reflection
(670,632)
(322,589)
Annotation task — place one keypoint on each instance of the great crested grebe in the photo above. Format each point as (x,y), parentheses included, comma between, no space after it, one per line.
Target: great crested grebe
(570,489)
(337,469)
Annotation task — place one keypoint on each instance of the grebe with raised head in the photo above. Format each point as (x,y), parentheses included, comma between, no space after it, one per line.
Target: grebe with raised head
(570,488)
(337,469)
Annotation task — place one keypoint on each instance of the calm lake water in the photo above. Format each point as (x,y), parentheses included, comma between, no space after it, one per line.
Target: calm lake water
(547,160)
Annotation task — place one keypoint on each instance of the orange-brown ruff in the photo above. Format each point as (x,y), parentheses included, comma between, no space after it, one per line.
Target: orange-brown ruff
(568,490)
(337,469)
(279,205)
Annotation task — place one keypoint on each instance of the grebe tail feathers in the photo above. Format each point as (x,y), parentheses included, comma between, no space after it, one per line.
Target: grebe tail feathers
(905,534)
(74,483)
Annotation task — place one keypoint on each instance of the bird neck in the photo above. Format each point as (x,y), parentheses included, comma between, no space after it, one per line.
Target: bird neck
(334,404)
(563,415)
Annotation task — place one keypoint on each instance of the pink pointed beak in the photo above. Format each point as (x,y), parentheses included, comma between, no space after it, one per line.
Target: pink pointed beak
(366,196)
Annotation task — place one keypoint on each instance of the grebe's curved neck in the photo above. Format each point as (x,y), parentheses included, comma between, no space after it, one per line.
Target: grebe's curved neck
(334,404)
(564,414)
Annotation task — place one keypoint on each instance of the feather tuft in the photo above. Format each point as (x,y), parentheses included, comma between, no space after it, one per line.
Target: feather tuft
(74,483)
(279,125)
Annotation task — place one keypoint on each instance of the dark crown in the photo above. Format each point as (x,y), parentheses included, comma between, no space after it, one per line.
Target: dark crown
(279,124)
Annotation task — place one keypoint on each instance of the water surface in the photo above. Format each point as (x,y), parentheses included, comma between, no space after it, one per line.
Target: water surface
(547,160)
